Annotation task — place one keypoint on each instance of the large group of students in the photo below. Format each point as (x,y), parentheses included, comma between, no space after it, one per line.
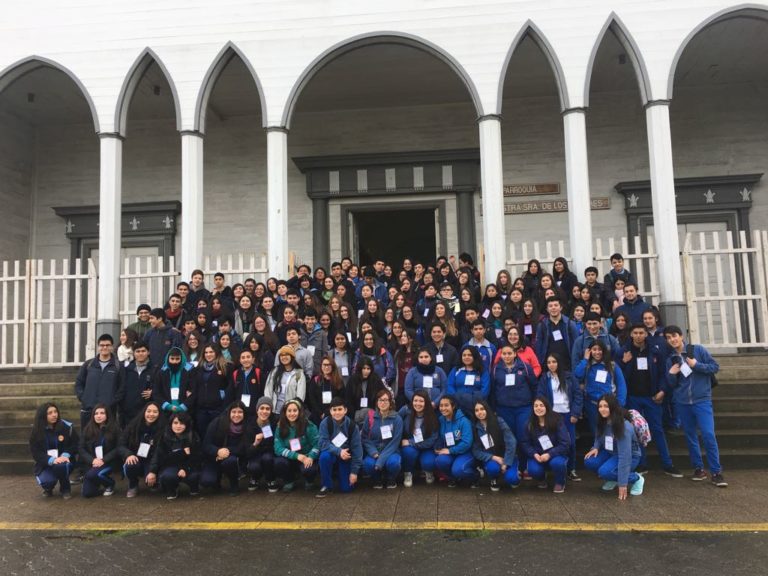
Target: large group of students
(390,377)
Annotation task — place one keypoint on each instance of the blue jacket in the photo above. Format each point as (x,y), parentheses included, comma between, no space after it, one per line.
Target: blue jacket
(561,444)
(697,387)
(414,381)
(467,394)
(594,390)
(461,428)
(450,356)
(522,389)
(585,341)
(487,352)
(656,365)
(159,342)
(429,441)
(634,310)
(329,429)
(544,330)
(625,448)
(574,391)
(383,365)
(483,454)
(374,444)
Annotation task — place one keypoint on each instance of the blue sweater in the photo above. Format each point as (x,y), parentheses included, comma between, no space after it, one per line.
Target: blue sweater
(461,428)
(594,389)
(586,340)
(329,429)
(483,454)
(574,391)
(625,448)
(561,443)
(374,444)
(467,393)
(428,441)
(697,386)
(414,381)
(521,389)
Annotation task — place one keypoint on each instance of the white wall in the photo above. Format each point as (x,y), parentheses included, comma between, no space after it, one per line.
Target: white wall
(16,174)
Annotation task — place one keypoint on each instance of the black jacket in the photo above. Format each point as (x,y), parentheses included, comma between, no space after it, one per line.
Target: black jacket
(95,385)
(61,437)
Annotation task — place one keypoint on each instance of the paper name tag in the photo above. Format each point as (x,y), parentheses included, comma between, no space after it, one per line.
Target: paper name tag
(642,363)
(498,332)
(418,436)
(427,381)
(53,453)
(685,370)
(469,380)
(364,402)
(545,442)
(426,312)
(601,376)
(486,313)
(449,439)
(359,313)
(609,443)
(386,432)
(174,393)
(267,431)
(143,450)
(509,380)
(528,329)
(557,335)
(246,399)
(349,336)
(327,397)
(99,452)
(295,444)
(345,371)
(311,350)
(439,358)
(127,363)
(487,441)
(339,440)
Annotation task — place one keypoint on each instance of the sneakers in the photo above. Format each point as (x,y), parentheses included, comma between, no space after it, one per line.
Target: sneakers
(108,491)
(480,472)
(288,487)
(573,476)
(526,476)
(452,483)
(194,491)
(252,485)
(408,479)
(324,491)
(637,487)
(173,495)
(378,485)
(234,491)
(132,493)
(672,471)
(47,493)
(559,488)
(66,495)
(429,477)
(392,484)
(719,481)
(76,479)
(609,485)
(475,484)
(273,487)
(699,475)
(542,485)
(495,485)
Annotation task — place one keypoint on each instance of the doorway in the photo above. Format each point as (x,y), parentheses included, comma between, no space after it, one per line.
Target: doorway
(392,235)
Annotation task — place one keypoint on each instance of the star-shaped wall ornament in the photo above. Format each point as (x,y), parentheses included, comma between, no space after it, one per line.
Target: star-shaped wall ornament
(710,196)
(746,194)
(633,200)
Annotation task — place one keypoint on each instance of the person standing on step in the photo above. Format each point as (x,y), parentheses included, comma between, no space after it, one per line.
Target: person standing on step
(99,381)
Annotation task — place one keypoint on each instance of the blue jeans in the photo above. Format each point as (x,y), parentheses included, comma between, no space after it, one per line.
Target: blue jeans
(53,474)
(327,461)
(94,478)
(517,418)
(262,465)
(700,417)
(457,467)
(606,466)
(493,471)
(412,455)
(590,411)
(557,465)
(652,412)
(566,416)
(390,468)
(212,472)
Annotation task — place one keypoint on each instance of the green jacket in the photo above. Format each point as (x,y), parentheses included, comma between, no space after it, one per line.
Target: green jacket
(308,443)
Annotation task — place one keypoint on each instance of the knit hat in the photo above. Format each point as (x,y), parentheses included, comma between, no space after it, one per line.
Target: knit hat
(263,400)
(286,350)
(143,307)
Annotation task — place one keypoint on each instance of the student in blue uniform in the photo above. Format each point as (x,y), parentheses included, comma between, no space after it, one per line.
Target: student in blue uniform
(454,444)
(471,381)
(555,334)
(420,429)
(340,447)
(261,453)
(382,433)
(616,452)
(53,444)
(210,386)
(495,447)
(546,444)
(599,376)
(137,443)
(426,375)
(177,457)
(99,452)
(225,446)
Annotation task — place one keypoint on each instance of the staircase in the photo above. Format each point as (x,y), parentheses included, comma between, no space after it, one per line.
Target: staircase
(740,402)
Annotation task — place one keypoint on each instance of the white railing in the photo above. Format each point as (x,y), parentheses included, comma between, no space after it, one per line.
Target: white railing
(145,280)
(643,264)
(236,268)
(14,329)
(544,252)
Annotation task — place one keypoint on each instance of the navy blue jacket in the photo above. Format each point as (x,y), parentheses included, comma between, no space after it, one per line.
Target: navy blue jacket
(483,454)
(62,437)
(574,391)
(522,389)
(161,341)
(329,429)
(133,385)
(561,444)
(656,366)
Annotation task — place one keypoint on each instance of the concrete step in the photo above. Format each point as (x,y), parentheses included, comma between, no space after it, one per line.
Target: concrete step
(755,438)
(38,376)
(13,449)
(15,433)
(68,402)
(744,404)
(743,372)
(738,388)
(11,466)
(27,416)
(37,389)
(747,358)
(730,459)
(725,420)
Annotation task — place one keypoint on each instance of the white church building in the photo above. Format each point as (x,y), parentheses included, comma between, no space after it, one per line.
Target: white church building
(307,130)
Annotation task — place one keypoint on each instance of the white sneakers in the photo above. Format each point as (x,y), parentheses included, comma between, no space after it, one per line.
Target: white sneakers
(408,479)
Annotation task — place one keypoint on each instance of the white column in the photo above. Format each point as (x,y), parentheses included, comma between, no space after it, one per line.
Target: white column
(191,202)
(277,201)
(110,234)
(492,182)
(577,187)
(665,211)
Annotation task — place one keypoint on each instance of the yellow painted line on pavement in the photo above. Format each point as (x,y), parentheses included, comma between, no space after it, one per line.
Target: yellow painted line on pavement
(439,525)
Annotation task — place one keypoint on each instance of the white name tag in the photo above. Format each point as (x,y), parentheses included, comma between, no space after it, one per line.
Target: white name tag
(449,440)
(386,432)
(426,312)
(364,402)
(311,350)
(486,313)
(642,363)
(345,371)
(339,440)
(174,393)
(609,443)
(53,453)
(267,431)
(487,441)
(427,381)
(601,376)
(509,380)
(99,452)
(349,336)
(556,334)
(528,329)
(295,444)
(498,332)
(469,380)
(418,436)
(545,442)
(246,399)
(359,313)
(439,358)
(327,397)
(127,363)
(143,450)
(686,370)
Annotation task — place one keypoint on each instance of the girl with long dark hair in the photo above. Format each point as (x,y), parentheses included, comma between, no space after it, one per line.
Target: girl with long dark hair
(494,447)
(53,444)
(546,444)
(137,444)
(99,452)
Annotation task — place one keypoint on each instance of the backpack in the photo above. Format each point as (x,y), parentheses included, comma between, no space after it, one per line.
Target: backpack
(640,424)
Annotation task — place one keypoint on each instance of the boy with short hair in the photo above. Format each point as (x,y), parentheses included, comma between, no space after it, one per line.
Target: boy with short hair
(340,445)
